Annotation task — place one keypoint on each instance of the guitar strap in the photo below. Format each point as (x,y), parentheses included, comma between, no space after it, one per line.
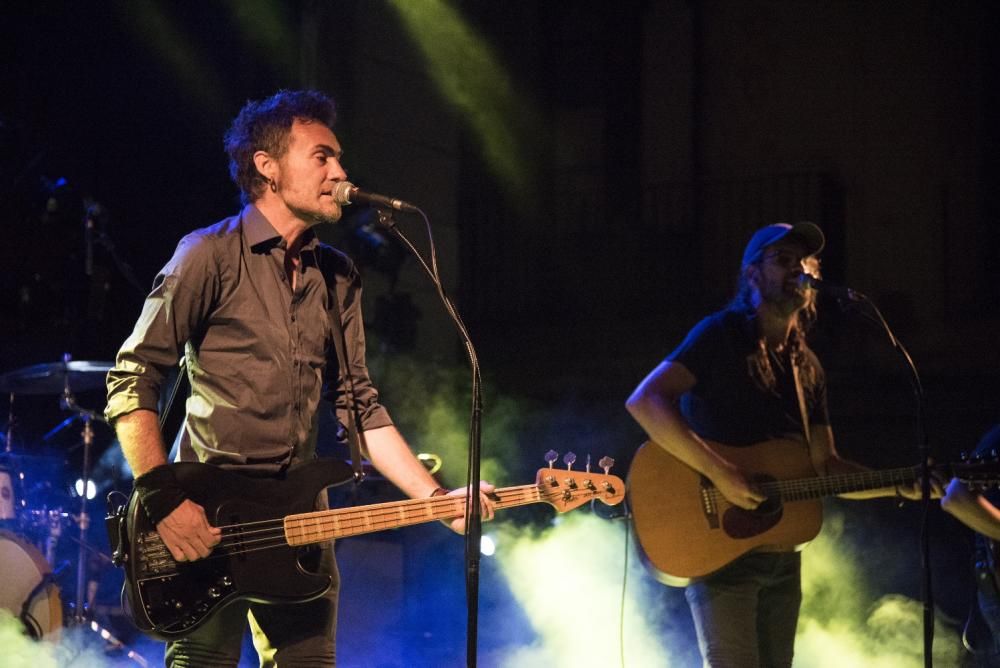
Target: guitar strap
(172,417)
(340,344)
(800,394)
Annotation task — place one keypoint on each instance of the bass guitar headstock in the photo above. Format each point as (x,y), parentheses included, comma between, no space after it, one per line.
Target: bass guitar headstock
(566,489)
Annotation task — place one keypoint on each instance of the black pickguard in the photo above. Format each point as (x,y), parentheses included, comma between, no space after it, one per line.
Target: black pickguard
(168,600)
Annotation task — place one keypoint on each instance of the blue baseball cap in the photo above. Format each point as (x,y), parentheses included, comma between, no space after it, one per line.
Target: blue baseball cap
(808,234)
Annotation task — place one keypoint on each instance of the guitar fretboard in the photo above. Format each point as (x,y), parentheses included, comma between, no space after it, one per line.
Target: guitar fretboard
(322,525)
(813,488)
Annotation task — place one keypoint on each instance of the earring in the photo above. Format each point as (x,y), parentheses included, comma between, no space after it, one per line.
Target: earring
(272,185)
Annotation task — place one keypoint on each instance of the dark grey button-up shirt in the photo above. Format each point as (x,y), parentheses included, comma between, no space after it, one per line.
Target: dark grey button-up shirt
(257,353)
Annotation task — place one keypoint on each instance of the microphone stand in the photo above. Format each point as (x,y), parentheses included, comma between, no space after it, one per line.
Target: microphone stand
(473,521)
(926,589)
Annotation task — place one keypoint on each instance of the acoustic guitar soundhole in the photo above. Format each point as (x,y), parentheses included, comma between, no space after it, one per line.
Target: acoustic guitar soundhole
(741,523)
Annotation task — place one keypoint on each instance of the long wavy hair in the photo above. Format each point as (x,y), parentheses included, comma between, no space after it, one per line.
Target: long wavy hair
(759,360)
(265,125)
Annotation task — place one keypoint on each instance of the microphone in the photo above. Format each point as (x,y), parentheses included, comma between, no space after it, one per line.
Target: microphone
(838,291)
(346,192)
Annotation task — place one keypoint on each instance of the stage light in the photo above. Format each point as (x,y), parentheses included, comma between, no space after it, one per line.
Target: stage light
(487,546)
(91,488)
(472,77)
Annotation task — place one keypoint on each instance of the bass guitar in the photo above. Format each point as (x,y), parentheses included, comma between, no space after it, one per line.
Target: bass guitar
(687,529)
(267,522)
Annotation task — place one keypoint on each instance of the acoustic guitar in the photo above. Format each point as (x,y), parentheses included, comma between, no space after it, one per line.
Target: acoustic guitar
(687,529)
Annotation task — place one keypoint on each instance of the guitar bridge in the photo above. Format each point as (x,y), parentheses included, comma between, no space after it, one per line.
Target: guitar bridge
(709,505)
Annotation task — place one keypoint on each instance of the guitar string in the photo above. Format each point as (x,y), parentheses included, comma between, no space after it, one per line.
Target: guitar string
(270,542)
(348,520)
(388,507)
(377,509)
(790,489)
(277,533)
(392,508)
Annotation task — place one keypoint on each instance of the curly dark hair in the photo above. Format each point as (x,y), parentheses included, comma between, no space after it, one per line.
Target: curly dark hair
(264,126)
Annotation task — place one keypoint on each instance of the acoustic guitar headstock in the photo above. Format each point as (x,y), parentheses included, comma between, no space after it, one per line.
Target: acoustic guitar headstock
(978,472)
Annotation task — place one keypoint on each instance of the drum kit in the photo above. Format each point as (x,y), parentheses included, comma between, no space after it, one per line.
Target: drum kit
(31,527)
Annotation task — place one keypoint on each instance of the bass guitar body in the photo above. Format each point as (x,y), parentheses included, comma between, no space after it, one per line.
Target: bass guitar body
(167,599)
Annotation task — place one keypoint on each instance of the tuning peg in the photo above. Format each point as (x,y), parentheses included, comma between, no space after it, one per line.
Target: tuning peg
(606,463)
(569,459)
(551,456)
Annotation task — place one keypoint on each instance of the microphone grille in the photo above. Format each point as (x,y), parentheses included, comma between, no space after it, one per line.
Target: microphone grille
(342,192)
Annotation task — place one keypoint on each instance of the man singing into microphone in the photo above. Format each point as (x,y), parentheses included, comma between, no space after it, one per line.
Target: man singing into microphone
(246,302)
(743,376)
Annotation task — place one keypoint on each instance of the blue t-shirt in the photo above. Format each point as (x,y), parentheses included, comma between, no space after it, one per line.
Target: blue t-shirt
(728,403)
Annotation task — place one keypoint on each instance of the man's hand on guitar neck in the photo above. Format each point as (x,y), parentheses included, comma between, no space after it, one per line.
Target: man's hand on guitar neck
(187,533)
(487,506)
(915,491)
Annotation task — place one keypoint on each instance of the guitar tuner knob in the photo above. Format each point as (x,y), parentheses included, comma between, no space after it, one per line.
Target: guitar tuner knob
(551,480)
(214,592)
(551,456)
(608,487)
(589,484)
(606,463)
(225,581)
(569,459)
(571,483)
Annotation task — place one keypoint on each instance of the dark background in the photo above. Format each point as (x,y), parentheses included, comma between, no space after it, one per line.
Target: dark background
(589,205)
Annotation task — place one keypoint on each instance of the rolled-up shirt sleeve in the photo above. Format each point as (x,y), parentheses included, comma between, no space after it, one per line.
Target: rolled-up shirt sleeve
(171,315)
(371,414)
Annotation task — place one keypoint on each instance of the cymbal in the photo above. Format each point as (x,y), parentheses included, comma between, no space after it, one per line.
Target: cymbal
(52,378)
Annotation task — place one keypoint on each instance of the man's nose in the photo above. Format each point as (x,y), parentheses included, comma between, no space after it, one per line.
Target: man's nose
(337,171)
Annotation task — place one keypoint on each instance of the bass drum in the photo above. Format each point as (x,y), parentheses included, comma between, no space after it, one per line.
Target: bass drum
(23,575)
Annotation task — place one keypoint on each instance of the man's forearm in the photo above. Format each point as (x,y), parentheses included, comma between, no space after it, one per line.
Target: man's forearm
(390,454)
(141,440)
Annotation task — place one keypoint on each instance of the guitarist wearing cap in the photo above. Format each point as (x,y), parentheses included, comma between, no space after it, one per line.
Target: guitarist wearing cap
(742,377)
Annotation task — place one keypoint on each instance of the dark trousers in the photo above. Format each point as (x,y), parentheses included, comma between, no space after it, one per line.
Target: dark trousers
(746,613)
(292,635)
(987,646)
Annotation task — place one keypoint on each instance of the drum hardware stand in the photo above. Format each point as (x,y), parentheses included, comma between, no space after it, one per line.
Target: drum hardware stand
(9,437)
(68,402)
(109,638)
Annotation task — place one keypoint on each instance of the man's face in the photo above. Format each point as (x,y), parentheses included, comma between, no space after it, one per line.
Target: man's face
(308,172)
(779,276)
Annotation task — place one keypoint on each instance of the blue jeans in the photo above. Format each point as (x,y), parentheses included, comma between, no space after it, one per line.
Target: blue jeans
(294,635)
(746,613)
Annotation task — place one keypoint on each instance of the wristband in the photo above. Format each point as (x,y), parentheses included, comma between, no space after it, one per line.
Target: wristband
(159,492)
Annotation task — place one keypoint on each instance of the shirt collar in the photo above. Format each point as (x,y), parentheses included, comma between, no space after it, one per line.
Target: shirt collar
(261,235)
